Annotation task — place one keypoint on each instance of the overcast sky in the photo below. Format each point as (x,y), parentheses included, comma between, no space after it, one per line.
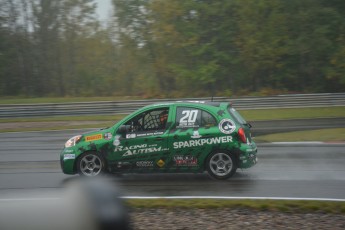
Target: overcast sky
(104,9)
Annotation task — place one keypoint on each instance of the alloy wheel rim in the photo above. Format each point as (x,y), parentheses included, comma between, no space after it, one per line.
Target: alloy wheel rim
(90,165)
(221,164)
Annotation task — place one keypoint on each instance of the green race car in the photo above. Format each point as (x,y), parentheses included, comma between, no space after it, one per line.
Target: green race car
(167,137)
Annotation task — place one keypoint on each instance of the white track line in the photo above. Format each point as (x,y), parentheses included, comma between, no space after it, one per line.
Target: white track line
(298,142)
(30,199)
(232,198)
(189,197)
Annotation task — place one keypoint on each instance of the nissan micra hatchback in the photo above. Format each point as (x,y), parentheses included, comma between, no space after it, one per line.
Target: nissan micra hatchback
(166,138)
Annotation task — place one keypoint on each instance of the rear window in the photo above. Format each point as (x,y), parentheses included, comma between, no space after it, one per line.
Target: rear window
(237,116)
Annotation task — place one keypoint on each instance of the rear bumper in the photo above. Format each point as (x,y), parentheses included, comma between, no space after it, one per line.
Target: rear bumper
(248,156)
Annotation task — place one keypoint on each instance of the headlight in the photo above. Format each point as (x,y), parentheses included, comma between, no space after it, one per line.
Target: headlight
(72,141)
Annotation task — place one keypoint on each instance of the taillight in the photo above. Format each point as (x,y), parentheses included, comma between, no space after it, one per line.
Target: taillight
(242,135)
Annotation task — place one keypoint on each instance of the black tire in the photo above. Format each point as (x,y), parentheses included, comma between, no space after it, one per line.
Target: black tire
(221,165)
(91,164)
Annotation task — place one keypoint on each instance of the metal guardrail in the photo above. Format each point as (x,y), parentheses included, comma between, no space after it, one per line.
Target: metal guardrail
(125,107)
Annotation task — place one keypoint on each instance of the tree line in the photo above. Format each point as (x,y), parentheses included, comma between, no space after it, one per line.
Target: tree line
(171,48)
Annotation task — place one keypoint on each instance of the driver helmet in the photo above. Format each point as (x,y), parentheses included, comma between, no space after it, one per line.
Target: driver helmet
(163,116)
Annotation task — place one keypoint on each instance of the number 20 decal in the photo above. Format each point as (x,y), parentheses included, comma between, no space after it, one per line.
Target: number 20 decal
(189,116)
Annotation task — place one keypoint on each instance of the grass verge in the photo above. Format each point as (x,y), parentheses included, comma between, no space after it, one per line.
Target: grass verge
(293,113)
(57,128)
(325,135)
(15,100)
(332,207)
(107,118)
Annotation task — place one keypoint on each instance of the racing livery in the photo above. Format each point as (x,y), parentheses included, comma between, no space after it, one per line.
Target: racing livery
(167,137)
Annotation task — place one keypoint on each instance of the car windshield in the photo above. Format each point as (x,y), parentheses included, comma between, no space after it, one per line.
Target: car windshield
(237,116)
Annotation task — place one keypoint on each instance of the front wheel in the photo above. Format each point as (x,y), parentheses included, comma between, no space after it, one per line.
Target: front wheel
(90,164)
(221,165)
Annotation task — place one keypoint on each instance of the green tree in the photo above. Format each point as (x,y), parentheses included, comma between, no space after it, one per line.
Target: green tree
(45,44)
(167,48)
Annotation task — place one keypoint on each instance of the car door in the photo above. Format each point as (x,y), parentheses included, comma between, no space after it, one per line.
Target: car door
(140,142)
(191,138)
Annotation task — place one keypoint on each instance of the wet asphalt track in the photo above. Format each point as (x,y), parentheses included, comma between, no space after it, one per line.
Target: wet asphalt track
(29,165)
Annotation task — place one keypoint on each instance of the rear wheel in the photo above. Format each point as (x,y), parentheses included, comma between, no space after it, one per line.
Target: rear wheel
(90,164)
(221,165)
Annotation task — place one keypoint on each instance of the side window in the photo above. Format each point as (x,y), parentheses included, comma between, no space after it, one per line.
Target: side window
(149,121)
(207,119)
(155,120)
(192,118)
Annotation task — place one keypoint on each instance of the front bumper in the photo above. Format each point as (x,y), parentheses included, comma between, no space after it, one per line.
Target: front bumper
(67,161)
(248,156)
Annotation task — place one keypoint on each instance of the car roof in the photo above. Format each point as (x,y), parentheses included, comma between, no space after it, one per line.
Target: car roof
(200,103)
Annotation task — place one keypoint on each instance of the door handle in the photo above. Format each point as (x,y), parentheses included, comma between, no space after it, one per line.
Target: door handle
(159,138)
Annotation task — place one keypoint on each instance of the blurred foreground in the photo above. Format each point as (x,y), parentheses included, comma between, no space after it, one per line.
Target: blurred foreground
(84,204)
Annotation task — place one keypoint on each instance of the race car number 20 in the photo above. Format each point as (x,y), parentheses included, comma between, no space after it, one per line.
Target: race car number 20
(188,118)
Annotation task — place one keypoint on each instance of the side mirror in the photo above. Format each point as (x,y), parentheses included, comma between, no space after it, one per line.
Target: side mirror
(123,129)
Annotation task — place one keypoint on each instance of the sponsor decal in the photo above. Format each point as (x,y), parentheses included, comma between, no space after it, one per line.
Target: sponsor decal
(122,164)
(68,151)
(139,149)
(144,163)
(160,163)
(108,136)
(201,142)
(122,148)
(68,156)
(196,135)
(227,126)
(117,140)
(149,134)
(94,137)
(181,160)
(187,125)
(129,136)
(134,135)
